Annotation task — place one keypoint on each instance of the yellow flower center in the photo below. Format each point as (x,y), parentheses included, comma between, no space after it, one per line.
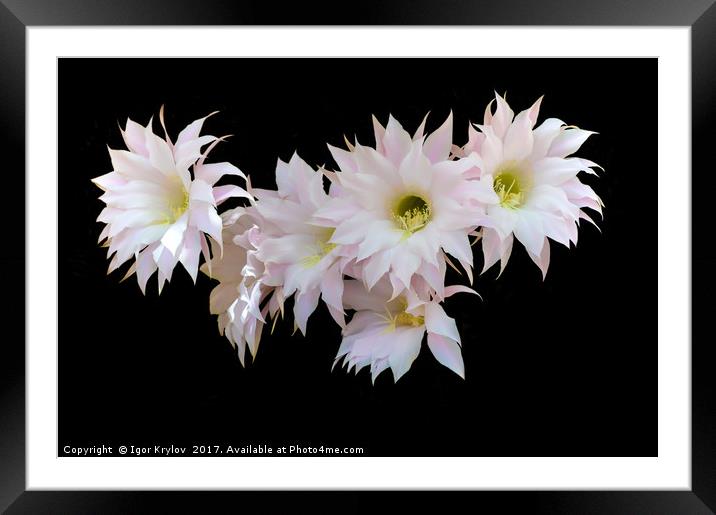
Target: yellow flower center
(409,320)
(403,318)
(179,208)
(510,186)
(411,213)
(177,205)
(322,247)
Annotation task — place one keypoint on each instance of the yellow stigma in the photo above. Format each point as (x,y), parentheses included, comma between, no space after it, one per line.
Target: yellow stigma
(322,248)
(409,320)
(403,318)
(411,213)
(509,189)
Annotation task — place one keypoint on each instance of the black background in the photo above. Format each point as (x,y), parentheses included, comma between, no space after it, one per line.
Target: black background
(564,367)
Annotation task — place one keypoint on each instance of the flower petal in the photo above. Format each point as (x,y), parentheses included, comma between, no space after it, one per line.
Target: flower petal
(437,321)
(437,145)
(447,352)
(568,142)
(406,347)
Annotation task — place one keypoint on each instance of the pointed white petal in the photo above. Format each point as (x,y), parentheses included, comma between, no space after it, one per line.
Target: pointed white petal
(447,352)
(437,321)
(396,141)
(518,139)
(528,230)
(406,347)
(437,145)
(568,142)
(306,303)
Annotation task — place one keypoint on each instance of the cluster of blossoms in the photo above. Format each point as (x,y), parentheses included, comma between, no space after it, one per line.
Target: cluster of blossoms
(372,238)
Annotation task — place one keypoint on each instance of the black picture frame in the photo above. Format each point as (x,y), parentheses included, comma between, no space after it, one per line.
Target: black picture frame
(17,15)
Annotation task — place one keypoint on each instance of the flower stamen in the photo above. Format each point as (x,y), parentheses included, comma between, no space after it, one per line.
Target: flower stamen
(411,213)
(177,207)
(509,190)
(406,319)
(402,318)
(322,248)
(178,210)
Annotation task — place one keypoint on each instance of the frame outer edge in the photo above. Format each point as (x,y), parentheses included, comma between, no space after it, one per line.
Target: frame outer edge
(534,503)
(367,12)
(703,132)
(12,260)
(12,387)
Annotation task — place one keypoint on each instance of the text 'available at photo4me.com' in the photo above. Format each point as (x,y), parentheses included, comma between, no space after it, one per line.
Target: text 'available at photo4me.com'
(228,450)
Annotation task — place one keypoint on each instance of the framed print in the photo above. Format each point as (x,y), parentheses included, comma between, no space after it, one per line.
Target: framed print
(357,258)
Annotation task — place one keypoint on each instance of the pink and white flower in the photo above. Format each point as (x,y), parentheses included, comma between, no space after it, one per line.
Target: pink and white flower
(539,196)
(242,301)
(296,251)
(387,332)
(403,205)
(161,201)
